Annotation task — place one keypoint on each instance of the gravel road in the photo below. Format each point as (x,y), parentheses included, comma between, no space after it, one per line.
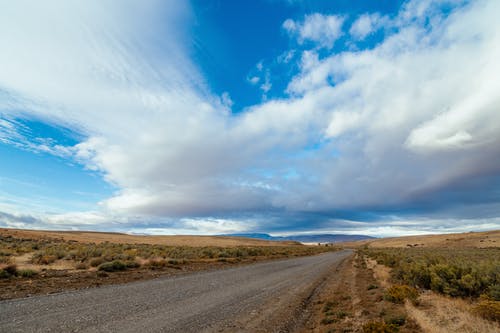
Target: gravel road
(262,297)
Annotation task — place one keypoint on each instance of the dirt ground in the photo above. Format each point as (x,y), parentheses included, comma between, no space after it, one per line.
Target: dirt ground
(50,281)
(353,299)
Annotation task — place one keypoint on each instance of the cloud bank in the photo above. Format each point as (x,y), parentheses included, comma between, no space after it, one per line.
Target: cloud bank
(408,129)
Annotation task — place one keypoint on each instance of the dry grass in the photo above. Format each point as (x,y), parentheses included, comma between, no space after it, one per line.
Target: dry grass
(352,300)
(34,262)
(439,314)
(380,272)
(463,240)
(101,237)
(434,312)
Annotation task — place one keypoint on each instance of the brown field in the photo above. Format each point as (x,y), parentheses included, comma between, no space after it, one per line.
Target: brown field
(112,237)
(41,262)
(462,240)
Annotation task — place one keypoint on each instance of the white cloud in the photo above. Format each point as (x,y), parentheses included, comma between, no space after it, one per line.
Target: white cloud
(319,28)
(412,115)
(367,24)
(286,57)
(266,85)
(254,80)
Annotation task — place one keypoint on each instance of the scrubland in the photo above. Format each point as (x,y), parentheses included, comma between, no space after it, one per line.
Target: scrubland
(44,264)
(443,289)
(433,283)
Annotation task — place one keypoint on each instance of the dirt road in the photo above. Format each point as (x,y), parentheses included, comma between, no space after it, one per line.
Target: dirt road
(262,297)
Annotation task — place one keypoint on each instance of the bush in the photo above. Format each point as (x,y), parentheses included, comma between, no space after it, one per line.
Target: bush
(493,292)
(453,272)
(328,307)
(399,293)
(8,271)
(113,266)
(132,264)
(398,320)
(328,321)
(379,327)
(27,273)
(97,261)
(4,274)
(488,309)
(102,274)
(156,264)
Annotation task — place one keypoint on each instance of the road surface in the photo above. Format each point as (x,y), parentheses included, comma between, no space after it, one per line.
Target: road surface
(262,297)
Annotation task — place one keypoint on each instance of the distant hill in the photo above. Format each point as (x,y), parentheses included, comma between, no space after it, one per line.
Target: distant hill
(318,238)
(482,239)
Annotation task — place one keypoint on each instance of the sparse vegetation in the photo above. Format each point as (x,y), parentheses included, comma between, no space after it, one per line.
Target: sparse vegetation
(46,252)
(469,273)
(452,272)
(27,273)
(380,327)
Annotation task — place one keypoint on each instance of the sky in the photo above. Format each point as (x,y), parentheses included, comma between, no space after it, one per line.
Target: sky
(280,116)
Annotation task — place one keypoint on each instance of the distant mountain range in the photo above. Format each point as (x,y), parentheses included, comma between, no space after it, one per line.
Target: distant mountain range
(318,238)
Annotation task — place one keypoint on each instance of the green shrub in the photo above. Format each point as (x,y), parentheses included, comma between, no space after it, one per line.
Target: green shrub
(453,272)
(329,306)
(26,273)
(4,274)
(132,264)
(493,292)
(113,266)
(399,293)
(398,320)
(8,271)
(102,274)
(328,321)
(342,314)
(11,269)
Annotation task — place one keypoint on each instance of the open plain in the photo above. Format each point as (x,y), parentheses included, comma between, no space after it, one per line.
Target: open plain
(262,297)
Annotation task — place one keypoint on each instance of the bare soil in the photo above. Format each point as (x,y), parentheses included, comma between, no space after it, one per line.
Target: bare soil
(50,281)
(352,298)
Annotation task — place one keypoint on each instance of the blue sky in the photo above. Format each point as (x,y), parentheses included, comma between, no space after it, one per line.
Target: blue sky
(280,116)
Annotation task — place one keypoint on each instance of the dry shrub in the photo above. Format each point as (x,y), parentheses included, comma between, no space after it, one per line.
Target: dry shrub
(41,259)
(399,293)
(156,264)
(96,262)
(440,314)
(8,271)
(488,309)
(81,265)
(113,266)
(379,327)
